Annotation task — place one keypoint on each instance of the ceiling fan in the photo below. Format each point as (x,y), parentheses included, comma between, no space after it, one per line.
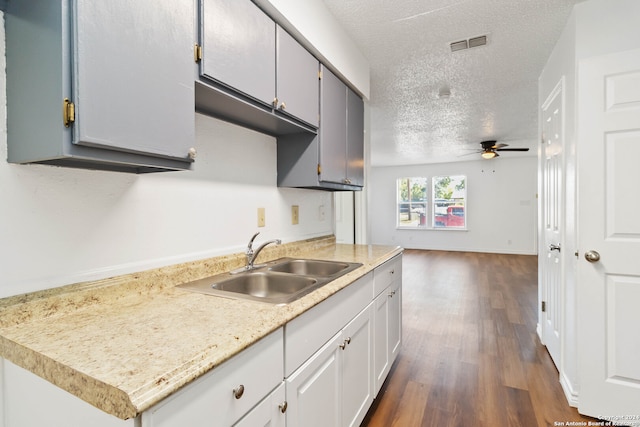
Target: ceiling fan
(490,148)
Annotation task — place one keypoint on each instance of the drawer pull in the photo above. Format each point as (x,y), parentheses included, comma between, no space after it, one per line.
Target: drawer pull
(238,391)
(283,407)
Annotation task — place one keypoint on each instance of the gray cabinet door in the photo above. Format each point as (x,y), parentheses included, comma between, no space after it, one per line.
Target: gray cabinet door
(355,139)
(333,128)
(238,43)
(298,87)
(133,76)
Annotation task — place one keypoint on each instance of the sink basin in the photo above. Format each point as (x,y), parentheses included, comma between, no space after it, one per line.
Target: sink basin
(278,282)
(276,288)
(310,267)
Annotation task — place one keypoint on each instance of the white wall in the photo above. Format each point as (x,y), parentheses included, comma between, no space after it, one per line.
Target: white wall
(61,226)
(501,207)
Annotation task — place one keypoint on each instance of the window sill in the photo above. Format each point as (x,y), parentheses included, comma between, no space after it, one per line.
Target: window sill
(433,228)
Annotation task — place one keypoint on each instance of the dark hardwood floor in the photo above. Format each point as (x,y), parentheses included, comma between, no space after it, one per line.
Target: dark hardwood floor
(470,354)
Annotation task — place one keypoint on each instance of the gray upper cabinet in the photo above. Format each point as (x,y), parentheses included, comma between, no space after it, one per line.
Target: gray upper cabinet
(252,72)
(332,160)
(239,43)
(333,133)
(298,87)
(355,139)
(124,82)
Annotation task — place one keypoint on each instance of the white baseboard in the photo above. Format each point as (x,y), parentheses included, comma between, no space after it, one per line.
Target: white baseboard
(539,332)
(569,391)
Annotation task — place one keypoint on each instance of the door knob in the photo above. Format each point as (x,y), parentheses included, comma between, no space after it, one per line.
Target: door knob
(592,256)
(553,247)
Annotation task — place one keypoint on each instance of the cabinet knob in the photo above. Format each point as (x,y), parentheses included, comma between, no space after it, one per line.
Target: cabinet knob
(238,391)
(275,102)
(283,407)
(192,153)
(283,106)
(391,294)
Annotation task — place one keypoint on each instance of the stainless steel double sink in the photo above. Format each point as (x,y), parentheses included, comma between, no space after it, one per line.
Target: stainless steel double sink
(277,282)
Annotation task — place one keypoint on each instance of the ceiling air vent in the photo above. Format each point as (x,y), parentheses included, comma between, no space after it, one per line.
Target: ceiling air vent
(469,43)
(461,45)
(477,41)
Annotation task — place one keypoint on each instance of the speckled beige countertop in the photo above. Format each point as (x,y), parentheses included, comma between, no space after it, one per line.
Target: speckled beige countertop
(125,343)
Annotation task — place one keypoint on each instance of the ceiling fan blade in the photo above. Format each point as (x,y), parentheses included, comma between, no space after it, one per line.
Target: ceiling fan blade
(499,146)
(512,149)
(468,154)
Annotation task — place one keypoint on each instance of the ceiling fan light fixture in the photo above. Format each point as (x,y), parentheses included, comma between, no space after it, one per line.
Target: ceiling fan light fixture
(488,154)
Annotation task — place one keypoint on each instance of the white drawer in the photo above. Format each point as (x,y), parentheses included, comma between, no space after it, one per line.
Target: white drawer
(305,334)
(210,400)
(385,274)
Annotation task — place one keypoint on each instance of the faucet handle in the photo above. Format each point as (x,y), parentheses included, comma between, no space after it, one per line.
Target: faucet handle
(249,246)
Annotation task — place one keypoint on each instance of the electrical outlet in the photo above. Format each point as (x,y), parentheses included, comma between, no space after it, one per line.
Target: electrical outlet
(295,214)
(261,218)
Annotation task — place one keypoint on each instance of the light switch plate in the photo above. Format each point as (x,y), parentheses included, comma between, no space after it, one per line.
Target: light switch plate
(261,217)
(295,214)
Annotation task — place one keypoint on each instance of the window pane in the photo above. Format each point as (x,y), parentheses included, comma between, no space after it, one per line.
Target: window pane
(412,202)
(449,197)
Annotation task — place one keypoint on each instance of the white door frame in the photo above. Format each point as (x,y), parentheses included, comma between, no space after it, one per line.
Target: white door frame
(552,222)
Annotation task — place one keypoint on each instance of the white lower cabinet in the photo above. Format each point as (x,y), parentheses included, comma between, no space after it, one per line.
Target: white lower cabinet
(357,364)
(314,392)
(334,387)
(226,394)
(387,331)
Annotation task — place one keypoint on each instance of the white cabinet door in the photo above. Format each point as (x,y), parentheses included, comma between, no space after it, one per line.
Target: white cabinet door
(395,320)
(387,327)
(269,413)
(314,391)
(381,363)
(357,377)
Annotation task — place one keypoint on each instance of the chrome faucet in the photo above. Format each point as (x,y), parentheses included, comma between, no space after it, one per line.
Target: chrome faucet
(253,254)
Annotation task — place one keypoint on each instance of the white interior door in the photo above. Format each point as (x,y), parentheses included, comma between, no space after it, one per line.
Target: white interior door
(608,292)
(552,215)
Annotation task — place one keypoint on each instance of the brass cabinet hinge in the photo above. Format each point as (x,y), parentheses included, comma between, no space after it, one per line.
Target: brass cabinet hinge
(68,112)
(319,75)
(197,52)
(319,169)
(544,306)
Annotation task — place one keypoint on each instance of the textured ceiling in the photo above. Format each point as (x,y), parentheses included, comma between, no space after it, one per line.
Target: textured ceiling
(493,88)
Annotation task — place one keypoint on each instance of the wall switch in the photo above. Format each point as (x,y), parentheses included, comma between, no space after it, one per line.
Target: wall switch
(295,214)
(261,219)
